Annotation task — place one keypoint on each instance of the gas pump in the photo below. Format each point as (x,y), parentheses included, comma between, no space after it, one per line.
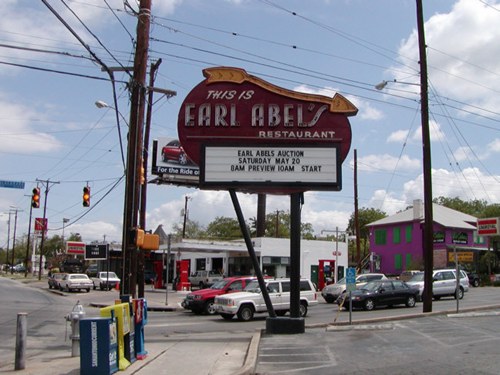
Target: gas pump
(182,267)
(158,270)
(326,273)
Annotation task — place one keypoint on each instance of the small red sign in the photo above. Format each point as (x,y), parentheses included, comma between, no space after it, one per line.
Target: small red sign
(488,227)
(75,248)
(40,224)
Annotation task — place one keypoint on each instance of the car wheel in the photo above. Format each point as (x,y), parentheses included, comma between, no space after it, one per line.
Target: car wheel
(475,283)
(227,316)
(88,290)
(329,299)
(410,301)
(460,293)
(183,160)
(437,298)
(369,304)
(50,286)
(201,285)
(94,287)
(245,313)
(303,310)
(210,308)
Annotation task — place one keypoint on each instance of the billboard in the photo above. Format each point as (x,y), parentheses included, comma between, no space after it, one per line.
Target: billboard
(171,163)
(488,227)
(234,109)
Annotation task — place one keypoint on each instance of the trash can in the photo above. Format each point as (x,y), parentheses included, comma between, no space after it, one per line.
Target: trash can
(98,346)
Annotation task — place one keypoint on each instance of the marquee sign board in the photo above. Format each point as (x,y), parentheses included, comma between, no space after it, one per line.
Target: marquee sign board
(271,166)
(233,108)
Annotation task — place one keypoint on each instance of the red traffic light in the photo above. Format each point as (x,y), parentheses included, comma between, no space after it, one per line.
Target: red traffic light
(35,198)
(86,196)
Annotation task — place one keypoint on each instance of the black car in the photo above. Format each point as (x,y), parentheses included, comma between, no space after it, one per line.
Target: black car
(381,293)
(473,279)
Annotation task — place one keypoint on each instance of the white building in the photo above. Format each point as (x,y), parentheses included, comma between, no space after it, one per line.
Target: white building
(232,258)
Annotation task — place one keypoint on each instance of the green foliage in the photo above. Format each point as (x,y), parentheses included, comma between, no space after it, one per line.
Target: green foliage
(278,225)
(475,207)
(224,228)
(193,229)
(365,216)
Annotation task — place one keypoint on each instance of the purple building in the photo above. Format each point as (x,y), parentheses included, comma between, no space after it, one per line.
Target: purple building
(396,241)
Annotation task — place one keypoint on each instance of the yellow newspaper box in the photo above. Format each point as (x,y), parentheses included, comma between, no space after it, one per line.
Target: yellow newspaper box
(122,313)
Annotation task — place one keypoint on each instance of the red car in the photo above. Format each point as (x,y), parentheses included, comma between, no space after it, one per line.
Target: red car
(173,151)
(202,301)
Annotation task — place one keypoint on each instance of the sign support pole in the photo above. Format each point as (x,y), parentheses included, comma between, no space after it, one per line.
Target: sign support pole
(251,252)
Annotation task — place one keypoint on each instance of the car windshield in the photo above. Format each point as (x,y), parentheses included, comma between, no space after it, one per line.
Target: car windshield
(79,277)
(111,274)
(417,277)
(252,287)
(341,281)
(371,286)
(219,284)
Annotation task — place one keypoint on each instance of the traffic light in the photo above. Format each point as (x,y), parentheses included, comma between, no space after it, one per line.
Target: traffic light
(35,198)
(86,196)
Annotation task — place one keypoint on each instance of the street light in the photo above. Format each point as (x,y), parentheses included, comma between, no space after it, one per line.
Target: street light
(383,84)
(101,104)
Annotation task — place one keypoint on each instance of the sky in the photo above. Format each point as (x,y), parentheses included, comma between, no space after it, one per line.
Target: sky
(50,79)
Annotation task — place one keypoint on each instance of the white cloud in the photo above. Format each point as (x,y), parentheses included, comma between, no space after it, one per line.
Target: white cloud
(399,136)
(461,45)
(18,134)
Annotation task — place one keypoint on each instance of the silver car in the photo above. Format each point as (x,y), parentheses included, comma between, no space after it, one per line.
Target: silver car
(331,292)
(444,283)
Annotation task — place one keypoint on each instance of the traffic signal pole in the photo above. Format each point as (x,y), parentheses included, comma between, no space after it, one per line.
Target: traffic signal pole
(134,151)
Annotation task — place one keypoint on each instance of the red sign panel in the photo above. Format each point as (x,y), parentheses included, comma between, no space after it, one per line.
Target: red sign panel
(488,227)
(231,107)
(75,248)
(40,224)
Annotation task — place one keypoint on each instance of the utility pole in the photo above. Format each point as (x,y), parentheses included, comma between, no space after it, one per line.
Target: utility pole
(14,240)
(134,151)
(428,242)
(144,182)
(26,259)
(47,185)
(186,198)
(356,212)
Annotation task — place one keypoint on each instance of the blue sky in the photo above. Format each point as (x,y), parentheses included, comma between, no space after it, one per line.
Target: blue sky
(51,129)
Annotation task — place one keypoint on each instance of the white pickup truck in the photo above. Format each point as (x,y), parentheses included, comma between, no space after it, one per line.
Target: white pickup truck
(204,279)
(106,280)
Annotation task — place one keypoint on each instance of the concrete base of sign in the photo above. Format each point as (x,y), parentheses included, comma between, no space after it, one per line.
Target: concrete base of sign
(285,325)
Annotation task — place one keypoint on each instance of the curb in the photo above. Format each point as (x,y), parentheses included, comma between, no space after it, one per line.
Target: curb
(250,362)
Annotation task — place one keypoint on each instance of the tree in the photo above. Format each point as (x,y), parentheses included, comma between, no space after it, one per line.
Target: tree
(193,229)
(474,207)
(278,225)
(224,228)
(365,217)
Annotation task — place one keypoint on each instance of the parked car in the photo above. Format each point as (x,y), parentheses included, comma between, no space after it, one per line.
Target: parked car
(105,280)
(19,268)
(55,279)
(249,302)
(71,265)
(474,279)
(204,278)
(331,292)
(444,283)
(76,281)
(173,151)
(380,293)
(92,270)
(202,301)
(407,275)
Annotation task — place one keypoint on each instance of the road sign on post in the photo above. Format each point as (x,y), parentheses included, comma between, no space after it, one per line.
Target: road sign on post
(351,279)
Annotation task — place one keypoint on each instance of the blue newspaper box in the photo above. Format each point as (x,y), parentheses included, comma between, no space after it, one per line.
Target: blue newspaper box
(98,346)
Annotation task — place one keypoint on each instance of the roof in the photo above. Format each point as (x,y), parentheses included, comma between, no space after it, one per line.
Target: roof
(441,215)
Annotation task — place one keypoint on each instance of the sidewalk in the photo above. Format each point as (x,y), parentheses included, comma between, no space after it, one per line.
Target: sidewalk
(215,355)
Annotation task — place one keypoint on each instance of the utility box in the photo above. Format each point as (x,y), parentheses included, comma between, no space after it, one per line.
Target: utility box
(98,346)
